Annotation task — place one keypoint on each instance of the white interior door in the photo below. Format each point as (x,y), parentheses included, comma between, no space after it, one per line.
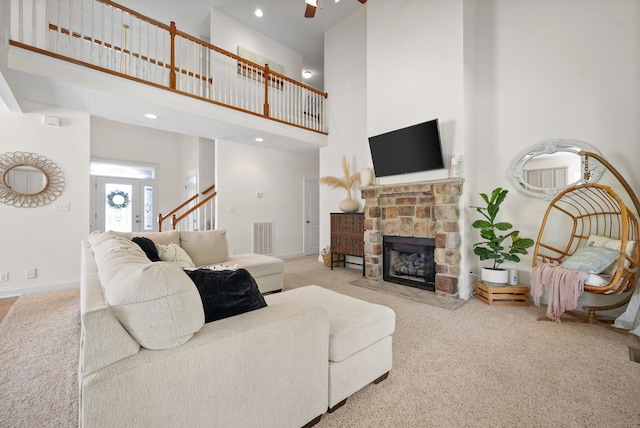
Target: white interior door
(118,204)
(312,217)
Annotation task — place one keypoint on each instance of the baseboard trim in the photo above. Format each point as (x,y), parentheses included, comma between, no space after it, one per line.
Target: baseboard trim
(39,288)
(289,256)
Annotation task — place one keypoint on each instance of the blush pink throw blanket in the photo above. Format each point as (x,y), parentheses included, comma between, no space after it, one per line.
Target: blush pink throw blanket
(565,286)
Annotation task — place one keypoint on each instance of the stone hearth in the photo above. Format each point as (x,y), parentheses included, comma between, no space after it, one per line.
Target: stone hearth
(426,209)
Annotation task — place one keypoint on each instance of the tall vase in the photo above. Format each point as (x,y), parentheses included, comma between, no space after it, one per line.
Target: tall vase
(348,205)
(366,176)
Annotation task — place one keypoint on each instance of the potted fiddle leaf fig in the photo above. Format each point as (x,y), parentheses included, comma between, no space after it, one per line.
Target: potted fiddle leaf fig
(500,243)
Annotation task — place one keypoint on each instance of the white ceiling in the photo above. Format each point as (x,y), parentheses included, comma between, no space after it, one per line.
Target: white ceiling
(283,21)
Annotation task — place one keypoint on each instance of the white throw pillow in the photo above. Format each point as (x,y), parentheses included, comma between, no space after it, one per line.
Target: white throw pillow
(591,259)
(615,244)
(175,254)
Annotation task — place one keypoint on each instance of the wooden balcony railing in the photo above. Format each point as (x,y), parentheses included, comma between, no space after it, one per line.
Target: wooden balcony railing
(198,204)
(105,36)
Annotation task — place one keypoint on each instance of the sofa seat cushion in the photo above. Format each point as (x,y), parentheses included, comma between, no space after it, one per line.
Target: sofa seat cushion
(205,247)
(155,302)
(258,265)
(226,293)
(354,324)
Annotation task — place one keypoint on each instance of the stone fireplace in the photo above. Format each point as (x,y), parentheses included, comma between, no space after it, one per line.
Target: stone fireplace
(426,209)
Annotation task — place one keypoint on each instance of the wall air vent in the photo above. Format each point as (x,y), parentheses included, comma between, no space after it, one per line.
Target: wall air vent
(263,238)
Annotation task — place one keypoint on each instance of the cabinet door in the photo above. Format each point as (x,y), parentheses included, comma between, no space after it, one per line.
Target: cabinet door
(347,234)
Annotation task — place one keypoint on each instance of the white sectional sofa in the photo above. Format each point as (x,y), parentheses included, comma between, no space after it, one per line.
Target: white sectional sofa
(148,358)
(210,248)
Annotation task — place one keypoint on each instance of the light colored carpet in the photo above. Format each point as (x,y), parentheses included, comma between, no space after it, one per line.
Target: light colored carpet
(39,345)
(486,366)
(475,366)
(419,295)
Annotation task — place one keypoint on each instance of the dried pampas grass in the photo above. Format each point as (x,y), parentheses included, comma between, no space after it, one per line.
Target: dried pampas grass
(345,183)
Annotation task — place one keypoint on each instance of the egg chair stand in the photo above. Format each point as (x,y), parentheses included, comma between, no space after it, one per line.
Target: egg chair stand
(591,213)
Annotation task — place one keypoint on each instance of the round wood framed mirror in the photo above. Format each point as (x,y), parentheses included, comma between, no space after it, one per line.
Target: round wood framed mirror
(543,170)
(29,180)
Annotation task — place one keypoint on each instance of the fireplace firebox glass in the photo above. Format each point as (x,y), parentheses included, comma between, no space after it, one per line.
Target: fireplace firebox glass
(409,261)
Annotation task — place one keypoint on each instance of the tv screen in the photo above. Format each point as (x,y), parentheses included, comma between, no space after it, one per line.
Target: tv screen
(412,149)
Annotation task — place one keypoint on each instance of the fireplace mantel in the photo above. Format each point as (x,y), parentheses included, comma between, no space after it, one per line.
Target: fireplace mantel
(424,209)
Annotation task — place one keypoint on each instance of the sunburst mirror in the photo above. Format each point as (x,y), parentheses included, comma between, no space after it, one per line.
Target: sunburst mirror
(29,180)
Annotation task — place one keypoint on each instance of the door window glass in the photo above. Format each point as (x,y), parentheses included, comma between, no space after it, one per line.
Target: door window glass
(118,210)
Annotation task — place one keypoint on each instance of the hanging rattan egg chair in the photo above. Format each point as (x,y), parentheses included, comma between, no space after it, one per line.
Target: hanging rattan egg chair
(592,215)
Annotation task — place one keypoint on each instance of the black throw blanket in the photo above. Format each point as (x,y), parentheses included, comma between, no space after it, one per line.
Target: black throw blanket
(226,293)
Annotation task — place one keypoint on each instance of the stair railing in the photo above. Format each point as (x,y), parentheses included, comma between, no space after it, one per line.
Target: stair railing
(176,217)
(105,36)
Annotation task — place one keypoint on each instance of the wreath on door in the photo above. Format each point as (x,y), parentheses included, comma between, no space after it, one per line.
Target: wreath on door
(118,199)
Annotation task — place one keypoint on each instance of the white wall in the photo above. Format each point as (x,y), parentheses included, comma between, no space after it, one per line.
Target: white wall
(388,66)
(228,34)
(563,69)
(206,163)
(243,170)
(415,71)
(166,150)
(39,237)
(346,82)
(501,75)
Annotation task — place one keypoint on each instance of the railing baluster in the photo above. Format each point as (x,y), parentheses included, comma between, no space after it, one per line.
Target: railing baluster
(34,24)
(69,46)
(81,23)
(57,49)
(91,43)
(47,19)
(102,52)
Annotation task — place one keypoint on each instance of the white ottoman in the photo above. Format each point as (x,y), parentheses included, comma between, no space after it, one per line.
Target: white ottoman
(360,345)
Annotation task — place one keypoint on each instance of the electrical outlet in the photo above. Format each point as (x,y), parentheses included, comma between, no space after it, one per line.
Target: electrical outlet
(4,276)
(31,273)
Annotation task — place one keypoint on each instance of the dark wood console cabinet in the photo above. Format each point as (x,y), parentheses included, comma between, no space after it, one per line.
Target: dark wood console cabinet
(347,238)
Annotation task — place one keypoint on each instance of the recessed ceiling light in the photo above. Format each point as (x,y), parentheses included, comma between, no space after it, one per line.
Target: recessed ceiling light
(259,139)
(307,74)
(150,116)
(259,13)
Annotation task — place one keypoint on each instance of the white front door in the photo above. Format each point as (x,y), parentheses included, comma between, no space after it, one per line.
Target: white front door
(118,205)
(312,217)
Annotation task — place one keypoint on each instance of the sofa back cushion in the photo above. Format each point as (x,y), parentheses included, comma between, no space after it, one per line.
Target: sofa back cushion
(160,238)
(205,247)
(155,302)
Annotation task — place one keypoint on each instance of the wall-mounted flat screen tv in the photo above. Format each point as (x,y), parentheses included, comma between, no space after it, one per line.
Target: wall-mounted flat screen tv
(415,148)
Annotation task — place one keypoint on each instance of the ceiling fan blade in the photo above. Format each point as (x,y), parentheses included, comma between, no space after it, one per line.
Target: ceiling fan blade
(310,11)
